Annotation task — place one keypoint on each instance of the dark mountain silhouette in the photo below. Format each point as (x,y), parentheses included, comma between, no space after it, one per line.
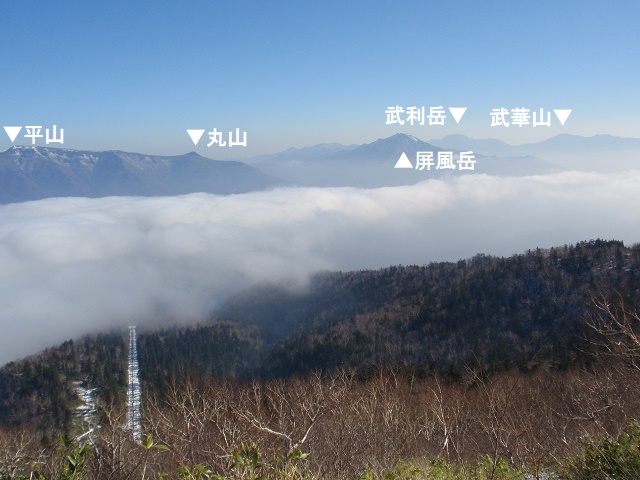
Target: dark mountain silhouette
(33,173)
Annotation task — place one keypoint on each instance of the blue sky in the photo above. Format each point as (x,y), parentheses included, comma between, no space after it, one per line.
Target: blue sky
(134,75)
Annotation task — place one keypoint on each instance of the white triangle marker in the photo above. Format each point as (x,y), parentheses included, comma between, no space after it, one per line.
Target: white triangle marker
(403,162)
(457,112)
(195,135)
(12,132)
(562,115)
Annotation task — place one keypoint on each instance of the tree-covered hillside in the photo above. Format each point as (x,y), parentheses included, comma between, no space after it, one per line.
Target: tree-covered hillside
(493,314)
(500,312)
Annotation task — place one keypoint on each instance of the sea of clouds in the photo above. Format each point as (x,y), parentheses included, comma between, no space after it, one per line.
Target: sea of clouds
(70,266)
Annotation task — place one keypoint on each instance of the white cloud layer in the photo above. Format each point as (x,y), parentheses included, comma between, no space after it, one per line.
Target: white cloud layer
(70,266)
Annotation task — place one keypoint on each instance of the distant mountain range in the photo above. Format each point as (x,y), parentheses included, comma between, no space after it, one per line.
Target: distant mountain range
(371,165)
(599,152)
(32,173)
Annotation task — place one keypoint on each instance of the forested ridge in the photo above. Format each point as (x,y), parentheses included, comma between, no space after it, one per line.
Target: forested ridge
(502,312)
(507,363)
(493,313)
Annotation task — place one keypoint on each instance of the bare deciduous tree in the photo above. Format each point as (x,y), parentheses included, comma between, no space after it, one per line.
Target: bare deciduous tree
(618,326)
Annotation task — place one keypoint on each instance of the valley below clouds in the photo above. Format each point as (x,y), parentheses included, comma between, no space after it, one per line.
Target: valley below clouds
(71,266)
